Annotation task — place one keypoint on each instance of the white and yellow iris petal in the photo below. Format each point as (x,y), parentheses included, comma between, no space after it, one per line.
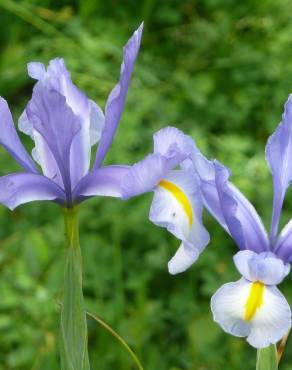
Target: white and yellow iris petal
(177,206)
(253,310)
(180,196)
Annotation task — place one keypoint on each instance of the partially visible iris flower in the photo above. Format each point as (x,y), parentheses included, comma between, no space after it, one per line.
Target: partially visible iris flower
(64,125)
(252,307)
(177,204)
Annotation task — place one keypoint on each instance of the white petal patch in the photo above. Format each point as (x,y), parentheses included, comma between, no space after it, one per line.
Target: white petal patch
(43,156)
(260,313)
(25,125)
(182,260)
(177,206)
(272,321)
(96,122)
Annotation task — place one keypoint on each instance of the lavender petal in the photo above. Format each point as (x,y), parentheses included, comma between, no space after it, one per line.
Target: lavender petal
(243,222)
(10,140)
(117,97)
(20,188)
(104,181)
(278,155)
(55,121)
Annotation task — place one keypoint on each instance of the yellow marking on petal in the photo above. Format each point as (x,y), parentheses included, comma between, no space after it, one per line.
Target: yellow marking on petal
(179,196)
(254,300)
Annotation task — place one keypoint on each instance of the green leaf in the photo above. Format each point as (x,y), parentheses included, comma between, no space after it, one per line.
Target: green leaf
(74,352)
(267,358)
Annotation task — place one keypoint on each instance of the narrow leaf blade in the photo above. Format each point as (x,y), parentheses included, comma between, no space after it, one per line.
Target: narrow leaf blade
(267,358)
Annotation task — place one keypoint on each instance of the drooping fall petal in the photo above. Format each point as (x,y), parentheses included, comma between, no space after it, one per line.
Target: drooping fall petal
(177,205)
(20,188)
(252,310)
(10,140)
(104,181)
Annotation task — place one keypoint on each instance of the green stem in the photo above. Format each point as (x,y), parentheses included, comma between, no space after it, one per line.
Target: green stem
(74,351)
(267,358)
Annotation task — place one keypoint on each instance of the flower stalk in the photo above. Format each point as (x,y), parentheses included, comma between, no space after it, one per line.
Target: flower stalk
(74,344)
(267,358)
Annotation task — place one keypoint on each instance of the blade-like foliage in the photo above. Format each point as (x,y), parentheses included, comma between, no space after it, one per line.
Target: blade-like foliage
(267,358)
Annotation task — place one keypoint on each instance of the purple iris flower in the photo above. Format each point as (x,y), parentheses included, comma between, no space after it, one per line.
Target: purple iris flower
(177,204)
(252,307)
(64,124)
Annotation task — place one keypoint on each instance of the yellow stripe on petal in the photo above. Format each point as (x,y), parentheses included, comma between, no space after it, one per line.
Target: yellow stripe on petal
(179,196)
(254,300)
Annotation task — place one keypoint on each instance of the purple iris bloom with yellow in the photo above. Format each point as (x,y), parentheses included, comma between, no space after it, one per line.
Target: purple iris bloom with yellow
(177,203)
(252,307)
(64,125)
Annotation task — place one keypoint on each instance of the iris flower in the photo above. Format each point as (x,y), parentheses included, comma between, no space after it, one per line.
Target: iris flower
(64,124)
(252,307)
(177,204)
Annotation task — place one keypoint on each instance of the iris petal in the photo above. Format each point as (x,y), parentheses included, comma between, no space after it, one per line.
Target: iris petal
(179,208)
(20,188)
(264,267)
(46,110)
(242,220)
(283,247)
(170,142)
(117,97)
(278,155)
(41,153)
(58,78)
(206,172)
(145,175)
(244,309)
(10,140)
(104,181)
(171,147)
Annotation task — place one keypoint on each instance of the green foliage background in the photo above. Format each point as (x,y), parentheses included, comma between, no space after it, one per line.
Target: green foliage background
(219,70)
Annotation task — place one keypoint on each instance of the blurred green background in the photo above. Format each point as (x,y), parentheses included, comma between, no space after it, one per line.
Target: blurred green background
(219,70)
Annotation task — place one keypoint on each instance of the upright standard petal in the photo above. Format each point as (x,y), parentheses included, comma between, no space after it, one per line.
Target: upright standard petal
(177,206)
(80,150)
(242,220)
(10,140)
(279,158)
(55,121)
(253,310)
(91,117)
(116,100)
(283,247)
(59,79)
(104,181)
(20,188)
(41,153)
(206,172)
(264,267)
